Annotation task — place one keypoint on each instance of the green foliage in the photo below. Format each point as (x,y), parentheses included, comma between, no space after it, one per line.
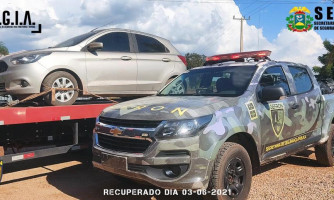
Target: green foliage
(327,60)
(3,49)
(195,60)
(316,69)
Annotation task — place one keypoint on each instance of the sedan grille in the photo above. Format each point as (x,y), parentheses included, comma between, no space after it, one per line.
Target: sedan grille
(3,66)
(130,123)
(123,144)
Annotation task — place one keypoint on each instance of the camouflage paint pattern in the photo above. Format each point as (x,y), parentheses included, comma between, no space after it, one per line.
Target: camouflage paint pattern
(243,114)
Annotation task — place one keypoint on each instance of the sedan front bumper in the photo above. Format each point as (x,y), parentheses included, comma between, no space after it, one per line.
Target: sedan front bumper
(22,79)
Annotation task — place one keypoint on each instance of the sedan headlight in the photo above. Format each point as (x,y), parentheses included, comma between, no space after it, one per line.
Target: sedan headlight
(29,58)
(182,128)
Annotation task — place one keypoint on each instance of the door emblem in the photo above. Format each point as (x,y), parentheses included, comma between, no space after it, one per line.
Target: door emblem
(277,117)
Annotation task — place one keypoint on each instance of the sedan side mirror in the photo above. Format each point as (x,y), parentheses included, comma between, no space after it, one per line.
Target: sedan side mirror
(95,46)
(272,93)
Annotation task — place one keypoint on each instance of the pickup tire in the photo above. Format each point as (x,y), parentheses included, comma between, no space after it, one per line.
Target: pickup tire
(60,79)
(325,152)
(232,171)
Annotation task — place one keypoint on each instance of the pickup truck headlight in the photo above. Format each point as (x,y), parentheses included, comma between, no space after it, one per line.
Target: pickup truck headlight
(29,58)
(182,128)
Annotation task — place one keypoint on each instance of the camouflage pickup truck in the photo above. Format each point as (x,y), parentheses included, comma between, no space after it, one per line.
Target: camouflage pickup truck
(212,126)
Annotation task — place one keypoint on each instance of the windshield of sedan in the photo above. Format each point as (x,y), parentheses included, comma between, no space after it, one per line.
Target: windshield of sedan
(75,40)
(216,81)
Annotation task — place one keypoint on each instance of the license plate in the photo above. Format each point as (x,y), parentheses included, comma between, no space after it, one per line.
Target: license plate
(116,162)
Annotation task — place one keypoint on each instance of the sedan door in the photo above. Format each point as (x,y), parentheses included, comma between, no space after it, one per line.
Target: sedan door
(155,64)
(113,69)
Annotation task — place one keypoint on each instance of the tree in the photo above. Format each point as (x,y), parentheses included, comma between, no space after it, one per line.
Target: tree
(3,49)
(316,70)
(195,60)
(327,60)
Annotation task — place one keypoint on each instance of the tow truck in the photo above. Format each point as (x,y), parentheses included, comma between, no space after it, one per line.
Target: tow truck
(33,132)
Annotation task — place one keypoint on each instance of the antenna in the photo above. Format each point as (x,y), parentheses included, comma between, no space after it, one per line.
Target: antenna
(101,26)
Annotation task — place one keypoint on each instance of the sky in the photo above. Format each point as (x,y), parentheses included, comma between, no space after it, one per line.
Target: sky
(201,26)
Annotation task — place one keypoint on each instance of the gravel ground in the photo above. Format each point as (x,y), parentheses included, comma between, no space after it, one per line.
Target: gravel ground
(72,177)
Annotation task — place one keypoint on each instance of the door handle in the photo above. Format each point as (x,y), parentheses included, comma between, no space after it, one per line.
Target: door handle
(294,106)
(166,59)
(126,58)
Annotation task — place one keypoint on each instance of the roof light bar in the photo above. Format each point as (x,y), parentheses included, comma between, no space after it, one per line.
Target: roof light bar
(237,56)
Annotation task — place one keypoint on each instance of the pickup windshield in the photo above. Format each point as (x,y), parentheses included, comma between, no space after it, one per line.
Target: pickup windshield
(216,81)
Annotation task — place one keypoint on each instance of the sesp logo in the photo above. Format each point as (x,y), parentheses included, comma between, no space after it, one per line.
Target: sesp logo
(299,20)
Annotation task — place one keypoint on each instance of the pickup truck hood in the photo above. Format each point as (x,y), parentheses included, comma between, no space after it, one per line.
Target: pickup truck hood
(168,108)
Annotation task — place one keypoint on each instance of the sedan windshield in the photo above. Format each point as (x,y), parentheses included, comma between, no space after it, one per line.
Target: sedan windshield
(75,40)
(216,81)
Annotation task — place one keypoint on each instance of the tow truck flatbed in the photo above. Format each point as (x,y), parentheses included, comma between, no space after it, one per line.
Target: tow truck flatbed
(25,115)
(45,127)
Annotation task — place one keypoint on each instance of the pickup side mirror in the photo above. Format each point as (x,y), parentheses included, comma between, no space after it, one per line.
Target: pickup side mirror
(95,46)
(271,93)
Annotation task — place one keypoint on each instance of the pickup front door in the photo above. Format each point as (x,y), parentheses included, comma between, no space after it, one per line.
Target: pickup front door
(278,122)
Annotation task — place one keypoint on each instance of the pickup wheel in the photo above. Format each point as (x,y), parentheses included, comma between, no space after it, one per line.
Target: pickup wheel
(60,79)
(232,171)
(325,152)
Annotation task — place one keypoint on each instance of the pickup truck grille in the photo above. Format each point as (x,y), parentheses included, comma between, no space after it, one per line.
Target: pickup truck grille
(123,144)
(130,123)
(3,66)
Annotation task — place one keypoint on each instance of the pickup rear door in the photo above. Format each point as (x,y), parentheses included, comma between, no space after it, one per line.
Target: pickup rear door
(308,114)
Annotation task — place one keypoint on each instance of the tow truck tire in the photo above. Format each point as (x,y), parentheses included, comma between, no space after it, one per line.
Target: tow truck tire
(232,168)
(60,79)
(325,152)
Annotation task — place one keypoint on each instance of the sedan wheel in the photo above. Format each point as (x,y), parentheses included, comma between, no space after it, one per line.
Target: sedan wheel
(63,96)
(62,80)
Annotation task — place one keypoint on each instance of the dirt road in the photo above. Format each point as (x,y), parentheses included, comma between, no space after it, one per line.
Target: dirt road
(72,177)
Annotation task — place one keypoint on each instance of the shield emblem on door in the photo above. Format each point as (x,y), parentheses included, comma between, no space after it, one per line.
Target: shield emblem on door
(277,117)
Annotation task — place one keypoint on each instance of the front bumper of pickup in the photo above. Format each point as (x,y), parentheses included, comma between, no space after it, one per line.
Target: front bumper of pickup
(180,156)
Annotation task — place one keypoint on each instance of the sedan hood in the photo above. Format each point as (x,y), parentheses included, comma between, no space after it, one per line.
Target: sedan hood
(23,53)
(168,108)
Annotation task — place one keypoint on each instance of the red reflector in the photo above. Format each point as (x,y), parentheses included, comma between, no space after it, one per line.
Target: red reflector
(29,155)
(183,59)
